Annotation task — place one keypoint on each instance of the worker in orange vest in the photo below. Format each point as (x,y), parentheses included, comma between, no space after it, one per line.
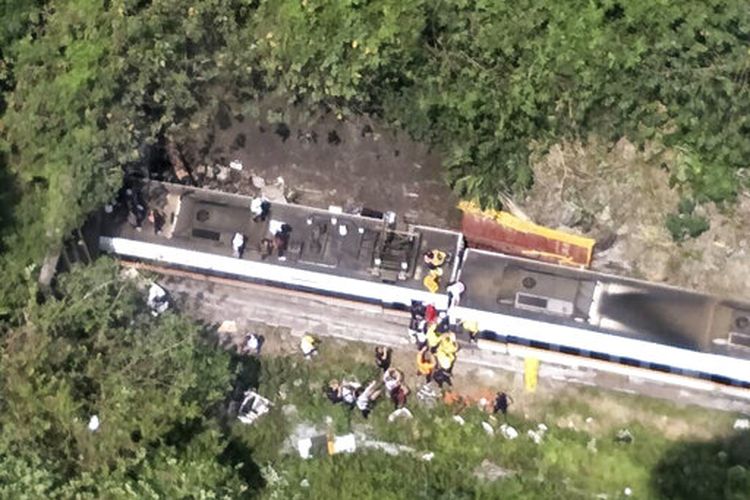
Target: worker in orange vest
(425,363)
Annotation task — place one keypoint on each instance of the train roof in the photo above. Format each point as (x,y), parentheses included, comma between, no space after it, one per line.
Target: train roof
(366,248)
(602,302)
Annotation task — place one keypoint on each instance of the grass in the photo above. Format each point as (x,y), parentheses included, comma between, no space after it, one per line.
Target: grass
(569,462)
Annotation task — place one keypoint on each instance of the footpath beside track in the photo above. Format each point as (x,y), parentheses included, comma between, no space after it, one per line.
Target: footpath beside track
(217,299)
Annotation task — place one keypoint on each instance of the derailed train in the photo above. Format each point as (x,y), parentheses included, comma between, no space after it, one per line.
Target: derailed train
(523,307)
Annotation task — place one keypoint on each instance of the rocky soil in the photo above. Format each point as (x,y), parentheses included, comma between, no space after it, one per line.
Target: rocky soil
(621,196)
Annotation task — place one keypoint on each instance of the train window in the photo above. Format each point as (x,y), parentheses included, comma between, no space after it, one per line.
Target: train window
(530,300)
(660,367)
(631,362)
(540,345)
(569,350)
(206,234)
(598,355)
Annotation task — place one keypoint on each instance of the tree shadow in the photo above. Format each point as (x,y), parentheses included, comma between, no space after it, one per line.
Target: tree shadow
(711,469)
(10,196)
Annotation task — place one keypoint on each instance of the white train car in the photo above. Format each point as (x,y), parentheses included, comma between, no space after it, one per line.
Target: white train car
(567,316)
(325,252)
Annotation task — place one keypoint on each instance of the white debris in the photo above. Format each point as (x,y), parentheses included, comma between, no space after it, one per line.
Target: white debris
(157,300)
(542,428)
(258,181)
(253,406)
(535,436)
(589,420)
(400,413)
(488,428)
(389,448)
(236,165)
(591,445)
(427,456)
(628,492)
(94,423)
(508,431)
(228,326)
(304,483)
(741,424)
(223,174)
(459,419)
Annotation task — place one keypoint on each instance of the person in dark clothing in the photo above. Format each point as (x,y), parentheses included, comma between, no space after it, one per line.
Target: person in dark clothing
(333,392)
(417,310)
(399,395)
(502,401)
(441,377)
(383,357)
(136,208)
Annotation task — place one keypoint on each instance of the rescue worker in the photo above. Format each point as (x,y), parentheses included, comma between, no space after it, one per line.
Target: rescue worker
(446,353)
(425,363)
(445,361)
(434,259)
(471,328)
(309,346)
(430,313)
(433,337)
(383,357)
(432,282)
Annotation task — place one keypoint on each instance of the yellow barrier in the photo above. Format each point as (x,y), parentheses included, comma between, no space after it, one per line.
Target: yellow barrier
(530,373)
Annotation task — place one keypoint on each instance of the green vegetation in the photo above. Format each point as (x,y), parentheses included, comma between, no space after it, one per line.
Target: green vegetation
(90,88)
(155,384)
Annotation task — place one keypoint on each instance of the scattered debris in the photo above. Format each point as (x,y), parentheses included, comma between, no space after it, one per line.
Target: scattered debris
(459,419)
(253,407)
(258,181)
(304,483)
(741,424)
(94,423)
(538,434)
(508,431)
(591,446)
(488,428)
(158,301)
(428,395)
(236,165)
(489,471)
(628,492)
(289,410)
(223,174)
(427,457)
(589,420)
(228,326)
(389,448)
(400,413)
(322,445)
(624,436)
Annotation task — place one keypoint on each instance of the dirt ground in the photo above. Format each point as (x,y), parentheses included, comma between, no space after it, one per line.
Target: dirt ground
(326,161)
